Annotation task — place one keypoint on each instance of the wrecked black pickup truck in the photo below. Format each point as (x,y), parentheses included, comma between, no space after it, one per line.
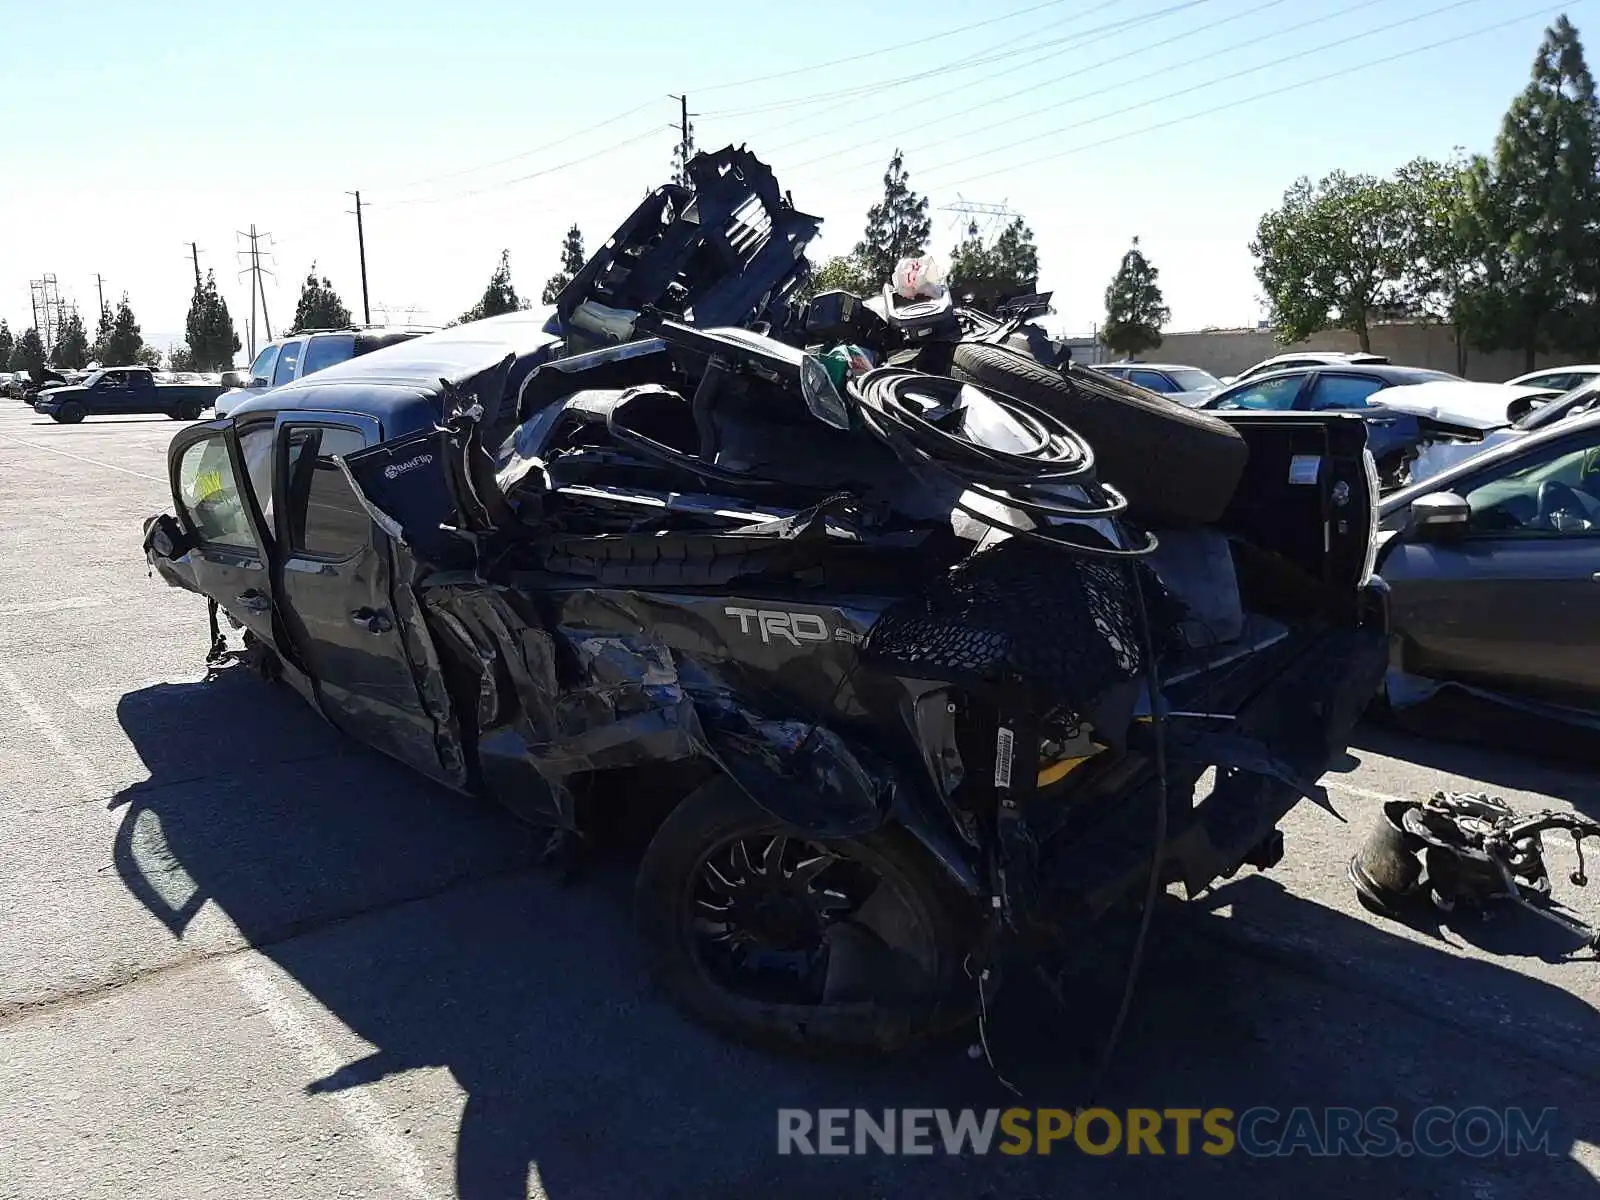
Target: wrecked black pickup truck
(923,687)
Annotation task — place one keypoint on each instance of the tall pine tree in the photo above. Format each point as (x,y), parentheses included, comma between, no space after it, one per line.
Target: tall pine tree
(319,306)
(102,337)
(209,330)
(572,260)
(72,343)
(1534,206)
(124,341)
(993,274)
(682,152)
(7,344)
(499,297)
(897,228)
(28,354)
(1135,310)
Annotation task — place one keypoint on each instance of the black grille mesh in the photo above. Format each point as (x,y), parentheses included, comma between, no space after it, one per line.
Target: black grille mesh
(1066,627)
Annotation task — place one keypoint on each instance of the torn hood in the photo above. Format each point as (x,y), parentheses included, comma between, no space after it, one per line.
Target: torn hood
(1480,406)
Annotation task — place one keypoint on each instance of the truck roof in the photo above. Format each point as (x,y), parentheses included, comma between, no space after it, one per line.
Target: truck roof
(401,384)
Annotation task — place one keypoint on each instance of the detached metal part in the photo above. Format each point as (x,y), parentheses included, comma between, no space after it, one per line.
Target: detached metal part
(1467,850)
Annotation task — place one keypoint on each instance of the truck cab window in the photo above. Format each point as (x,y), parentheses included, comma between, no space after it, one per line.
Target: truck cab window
(325,519)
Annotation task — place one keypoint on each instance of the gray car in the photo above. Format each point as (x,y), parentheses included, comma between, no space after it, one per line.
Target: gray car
(1186,385)
(1494,571)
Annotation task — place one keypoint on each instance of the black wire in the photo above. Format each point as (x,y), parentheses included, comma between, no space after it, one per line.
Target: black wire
(1153,885)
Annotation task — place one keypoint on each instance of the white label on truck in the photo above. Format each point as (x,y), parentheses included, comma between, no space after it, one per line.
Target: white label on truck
(1004,740)
(1304,468)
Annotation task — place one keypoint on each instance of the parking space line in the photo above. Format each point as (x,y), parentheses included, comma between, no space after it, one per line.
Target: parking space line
(361,1110)
(38,608)
(1351,789)
(46,727)
(93,462)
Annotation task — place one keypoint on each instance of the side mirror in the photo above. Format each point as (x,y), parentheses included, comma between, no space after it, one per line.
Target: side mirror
(1439,515)
(231,379)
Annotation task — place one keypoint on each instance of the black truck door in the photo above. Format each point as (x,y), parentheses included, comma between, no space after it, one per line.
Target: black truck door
(335,588)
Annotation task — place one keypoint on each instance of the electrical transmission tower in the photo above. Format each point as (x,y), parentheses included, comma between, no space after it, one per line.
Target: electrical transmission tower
(983,221)
(48,311)
(403,314)
(252,259)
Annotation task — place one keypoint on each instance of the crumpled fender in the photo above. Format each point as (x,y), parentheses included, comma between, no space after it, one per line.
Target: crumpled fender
(805,775)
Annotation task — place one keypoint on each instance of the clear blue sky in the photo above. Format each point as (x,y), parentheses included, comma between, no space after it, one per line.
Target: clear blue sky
(132,129)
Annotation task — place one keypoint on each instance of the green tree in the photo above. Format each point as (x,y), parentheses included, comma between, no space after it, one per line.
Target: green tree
(102,337)
(993,274)
(72,343)
(841,273)
(572,260)
(1332,255)
(1441,253)
(319,306)
(897,228)
(499,297)
(1135,310)
(209,331)
(124,342)
(682,152)
(148,356)
(181,358)
(28,354)
(7,345)
(1533,208)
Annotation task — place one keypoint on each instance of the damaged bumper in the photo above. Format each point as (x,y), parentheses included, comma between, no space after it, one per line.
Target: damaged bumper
(1266,758)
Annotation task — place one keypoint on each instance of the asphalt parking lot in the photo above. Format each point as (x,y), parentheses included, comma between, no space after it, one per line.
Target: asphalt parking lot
(240,956)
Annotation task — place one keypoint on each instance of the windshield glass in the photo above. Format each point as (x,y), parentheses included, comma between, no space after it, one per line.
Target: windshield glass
(1193,379)
(92,378)
(1579,399)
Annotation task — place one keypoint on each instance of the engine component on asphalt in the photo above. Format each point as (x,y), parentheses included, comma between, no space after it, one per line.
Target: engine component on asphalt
(1468,851)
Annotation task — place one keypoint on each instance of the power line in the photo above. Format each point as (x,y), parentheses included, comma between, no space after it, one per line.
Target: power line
(965,63)
(505,183)
(1050,49)
(500,162)
(1144,47)
(898,46)
(1229,77)
(1267,95)
(1203,84)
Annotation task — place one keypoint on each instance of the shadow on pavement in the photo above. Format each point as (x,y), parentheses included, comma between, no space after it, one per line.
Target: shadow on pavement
(410,914)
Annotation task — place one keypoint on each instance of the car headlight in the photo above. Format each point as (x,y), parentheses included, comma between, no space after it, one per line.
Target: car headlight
(822,398)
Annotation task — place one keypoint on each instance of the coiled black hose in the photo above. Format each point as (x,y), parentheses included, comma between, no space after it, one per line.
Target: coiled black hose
(892,403)
(921,418)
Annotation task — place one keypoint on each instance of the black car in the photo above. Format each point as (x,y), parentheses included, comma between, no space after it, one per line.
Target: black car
(1493,567)
(1393,437)
(120,391)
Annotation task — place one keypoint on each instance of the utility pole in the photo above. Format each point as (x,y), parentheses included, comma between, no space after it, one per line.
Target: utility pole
(684,136)
(361,245)
(194,253)
(255,270)
(100,290)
